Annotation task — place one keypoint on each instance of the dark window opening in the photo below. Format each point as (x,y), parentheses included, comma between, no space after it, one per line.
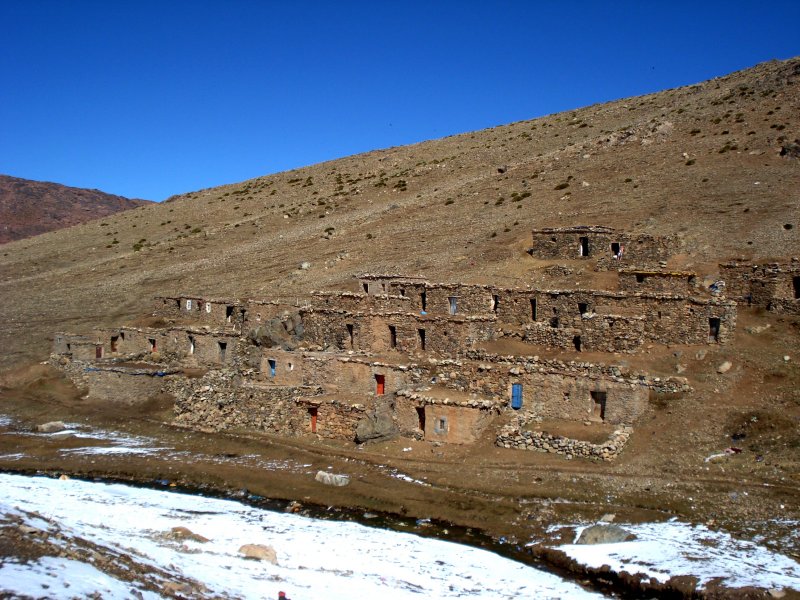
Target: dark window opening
(554,322)
(495,303)
(576,341)
(380,385)
(122,335)
(69,347)
(533,309)
(423,297)
(441,425)
(640,278)
(223,350)
(350,334)
(796,286)
(599,405)
(114,343)
(583,308)
(228,313)
(366,288)
(659,314)
(421,334)
(421,417)
(584,246)
(615,248)
(178,302)
(713,329)
(403,292)
(312,415)
(392,336)
(273,366)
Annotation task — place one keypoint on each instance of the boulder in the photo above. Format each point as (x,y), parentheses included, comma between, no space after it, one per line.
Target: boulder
(51,427)
(332,478)
(604,534)
(724,367)
(377,425)
(259,552)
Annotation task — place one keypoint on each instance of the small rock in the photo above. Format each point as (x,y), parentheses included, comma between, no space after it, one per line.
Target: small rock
(786,358)
(51,427)
(724,367)
(604,534)
(701,354)
(182,533)
(259,552)
(305,266)
(332,478)
(608,518)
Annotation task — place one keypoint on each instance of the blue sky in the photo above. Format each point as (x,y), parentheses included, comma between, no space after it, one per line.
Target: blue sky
(149,99)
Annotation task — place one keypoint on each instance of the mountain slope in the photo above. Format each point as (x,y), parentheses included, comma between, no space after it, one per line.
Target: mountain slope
(28,208)
(703,162)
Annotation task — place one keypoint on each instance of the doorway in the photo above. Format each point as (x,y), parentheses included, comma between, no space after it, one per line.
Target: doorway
(516,396)
(312,415)
(584,246)
(599,405)
(421,417)
(380,384)
(713,329)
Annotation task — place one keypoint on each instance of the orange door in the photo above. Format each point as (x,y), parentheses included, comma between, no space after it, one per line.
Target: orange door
(380,384)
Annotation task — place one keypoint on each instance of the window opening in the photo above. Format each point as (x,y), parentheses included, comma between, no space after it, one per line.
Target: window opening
(350,334)
(441,425)
(640,278)
(421,334)
(576,341)
(188,305)
(495,303)
(223,350)
(533,309)
(114,343)
(191,345)
(392,336)
(423,297)
(615,249)
(208,307)
(366,288)
(583,307)
(273,365)
(228,313)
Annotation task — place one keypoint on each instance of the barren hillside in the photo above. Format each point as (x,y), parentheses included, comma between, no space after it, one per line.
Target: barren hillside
(715,163)
(28,208)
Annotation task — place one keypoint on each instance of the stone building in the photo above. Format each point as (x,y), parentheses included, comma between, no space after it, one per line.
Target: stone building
(773,286)
(610,248)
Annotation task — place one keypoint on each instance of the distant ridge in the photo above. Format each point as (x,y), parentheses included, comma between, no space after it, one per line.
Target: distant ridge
(28,208)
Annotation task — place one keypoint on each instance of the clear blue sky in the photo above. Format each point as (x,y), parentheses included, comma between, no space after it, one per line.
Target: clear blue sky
(148,99)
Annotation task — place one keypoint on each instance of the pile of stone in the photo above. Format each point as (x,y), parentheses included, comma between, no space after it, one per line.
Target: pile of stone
(511,437)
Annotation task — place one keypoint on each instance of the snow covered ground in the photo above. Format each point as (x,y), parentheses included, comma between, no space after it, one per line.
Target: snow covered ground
(317,559)
(662,550)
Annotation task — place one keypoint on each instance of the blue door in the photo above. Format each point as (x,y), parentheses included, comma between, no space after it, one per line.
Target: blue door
(516,396)
(272,365)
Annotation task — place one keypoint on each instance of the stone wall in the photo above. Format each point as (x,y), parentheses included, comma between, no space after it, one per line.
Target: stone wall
(218,313)
(512,437)
(115,383)
(664,282)
(773,286)
(601,243)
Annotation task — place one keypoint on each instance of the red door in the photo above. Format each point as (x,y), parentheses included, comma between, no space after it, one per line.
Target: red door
(312,412)
(380,384)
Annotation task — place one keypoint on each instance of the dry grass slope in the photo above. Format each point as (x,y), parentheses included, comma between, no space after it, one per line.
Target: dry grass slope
(702,161)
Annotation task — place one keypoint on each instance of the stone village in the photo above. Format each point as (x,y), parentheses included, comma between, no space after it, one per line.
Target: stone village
(402,356)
